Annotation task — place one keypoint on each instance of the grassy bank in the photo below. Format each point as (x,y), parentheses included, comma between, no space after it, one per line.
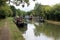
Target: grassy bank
(2,22)
(53,22)
(15,33)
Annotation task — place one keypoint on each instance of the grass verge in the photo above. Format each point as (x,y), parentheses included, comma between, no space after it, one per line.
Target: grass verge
(2,22)
(15,33)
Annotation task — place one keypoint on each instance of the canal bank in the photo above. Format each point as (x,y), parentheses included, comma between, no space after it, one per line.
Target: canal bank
(15,33)
(9,30)
(53,22)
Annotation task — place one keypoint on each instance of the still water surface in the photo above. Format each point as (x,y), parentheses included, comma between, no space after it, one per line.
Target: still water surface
(43,31)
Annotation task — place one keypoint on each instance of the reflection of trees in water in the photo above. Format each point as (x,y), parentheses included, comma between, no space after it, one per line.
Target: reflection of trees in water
(23,29)
(38,29)
(48,29)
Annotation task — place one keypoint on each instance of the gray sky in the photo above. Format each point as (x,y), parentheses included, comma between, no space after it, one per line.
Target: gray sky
(32,4)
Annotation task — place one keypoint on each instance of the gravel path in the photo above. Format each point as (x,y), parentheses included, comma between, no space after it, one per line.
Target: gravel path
(5,35)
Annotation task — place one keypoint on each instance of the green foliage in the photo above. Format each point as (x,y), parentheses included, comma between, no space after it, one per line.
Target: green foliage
(37,9)
(46,11)
(13,9)
(30,12)
(5,11)
(2,2)
(20,12)
(54,13)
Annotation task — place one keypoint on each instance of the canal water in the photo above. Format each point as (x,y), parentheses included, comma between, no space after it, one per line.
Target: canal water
(41,31)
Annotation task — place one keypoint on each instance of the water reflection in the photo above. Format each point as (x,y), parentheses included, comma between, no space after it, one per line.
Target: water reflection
(48,30)
(41,31)
(29,35)
(23,29)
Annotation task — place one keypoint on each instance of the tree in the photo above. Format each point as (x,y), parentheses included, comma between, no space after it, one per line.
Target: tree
(18,2)
(2,2)
(57,11)
(46,10)
(37,9)
(13,10)
(5,11)
(20,13)
(52,13)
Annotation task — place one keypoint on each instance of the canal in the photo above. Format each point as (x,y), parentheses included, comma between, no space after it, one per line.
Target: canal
(41,31)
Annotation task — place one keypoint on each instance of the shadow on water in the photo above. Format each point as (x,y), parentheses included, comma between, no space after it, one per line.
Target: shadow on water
(49,30)
(22,28)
